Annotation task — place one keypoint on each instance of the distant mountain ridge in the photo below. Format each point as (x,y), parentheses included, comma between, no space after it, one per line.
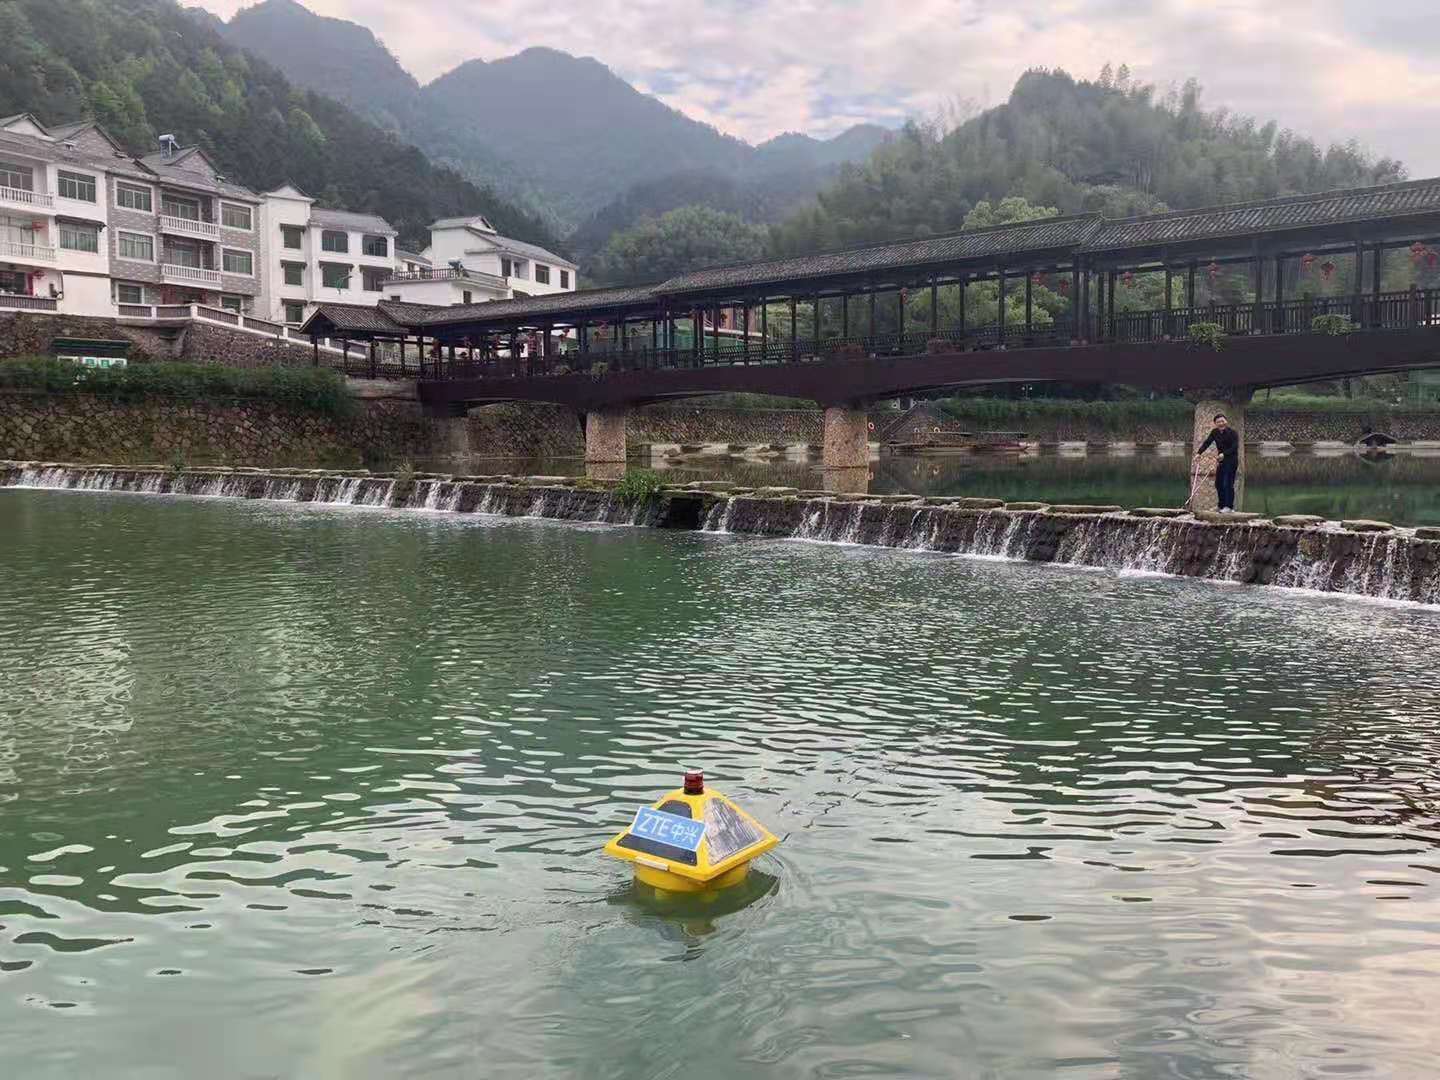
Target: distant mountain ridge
(563,135)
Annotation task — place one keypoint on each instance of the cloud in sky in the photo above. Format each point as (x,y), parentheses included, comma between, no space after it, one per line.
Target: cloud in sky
(1331,69)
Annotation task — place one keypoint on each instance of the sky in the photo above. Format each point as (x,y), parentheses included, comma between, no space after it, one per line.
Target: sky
(1331,69)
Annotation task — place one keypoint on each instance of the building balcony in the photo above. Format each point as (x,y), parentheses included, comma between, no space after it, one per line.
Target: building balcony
(188,275)
(26,200)
(445,273)
(26,253)
(21,302)
(179,226)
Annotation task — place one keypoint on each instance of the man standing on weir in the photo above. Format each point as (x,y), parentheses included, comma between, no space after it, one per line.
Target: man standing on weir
(1226,441)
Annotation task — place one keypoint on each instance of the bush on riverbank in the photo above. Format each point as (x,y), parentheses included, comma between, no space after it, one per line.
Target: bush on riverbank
(303,389)
(999,414)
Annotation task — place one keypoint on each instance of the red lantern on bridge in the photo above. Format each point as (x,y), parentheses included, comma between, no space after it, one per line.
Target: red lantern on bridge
(1128,279)
(1064,287)
(1214,271)
(1306,262)
(1327,269)
(1038,277)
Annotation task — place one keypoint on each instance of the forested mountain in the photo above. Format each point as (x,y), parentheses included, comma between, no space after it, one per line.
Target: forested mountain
(1107,144)
(561,134)
(143,67)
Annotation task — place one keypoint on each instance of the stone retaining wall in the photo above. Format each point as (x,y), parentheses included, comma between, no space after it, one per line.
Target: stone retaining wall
(81,427)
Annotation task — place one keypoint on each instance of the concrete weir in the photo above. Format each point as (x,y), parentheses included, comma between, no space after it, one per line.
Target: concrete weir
(1361,557)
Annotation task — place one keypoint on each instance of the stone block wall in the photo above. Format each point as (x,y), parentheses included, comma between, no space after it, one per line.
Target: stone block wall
(85,428)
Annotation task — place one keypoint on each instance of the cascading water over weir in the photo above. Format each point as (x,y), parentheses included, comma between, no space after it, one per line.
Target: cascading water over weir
(1368,559)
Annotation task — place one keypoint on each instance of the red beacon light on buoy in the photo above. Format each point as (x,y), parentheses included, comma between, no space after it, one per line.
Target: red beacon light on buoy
(691,840)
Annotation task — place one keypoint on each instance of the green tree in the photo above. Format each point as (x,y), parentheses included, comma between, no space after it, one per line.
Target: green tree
(689,238)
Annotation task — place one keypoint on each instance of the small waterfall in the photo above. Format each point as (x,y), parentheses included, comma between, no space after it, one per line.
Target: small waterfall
(717,518)
(1390,564)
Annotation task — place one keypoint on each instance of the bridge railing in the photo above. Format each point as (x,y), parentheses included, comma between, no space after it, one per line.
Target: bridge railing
(1388,311)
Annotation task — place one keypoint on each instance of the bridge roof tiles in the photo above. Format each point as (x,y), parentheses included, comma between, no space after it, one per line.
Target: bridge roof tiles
(581,301)
(974,245)
(1270,215)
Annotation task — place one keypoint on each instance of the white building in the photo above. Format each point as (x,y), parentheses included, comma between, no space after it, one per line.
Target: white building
(53,216)
(470,262)
(313,254)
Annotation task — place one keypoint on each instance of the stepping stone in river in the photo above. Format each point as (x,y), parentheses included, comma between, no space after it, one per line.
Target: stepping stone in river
(1427,532)
(980,504)
(1299,521)
(1157,512)
(1361,525)
(1215,517)
(1024,506)
(1077,509)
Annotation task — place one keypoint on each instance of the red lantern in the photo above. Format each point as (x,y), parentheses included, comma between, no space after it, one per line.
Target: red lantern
(1327,268)
(1306,261)
(1128,279)
(1213,270)
(1064,287)
(1417,250)
(1038,277)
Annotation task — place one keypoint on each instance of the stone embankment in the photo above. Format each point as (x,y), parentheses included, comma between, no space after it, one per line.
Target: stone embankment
(1362,557)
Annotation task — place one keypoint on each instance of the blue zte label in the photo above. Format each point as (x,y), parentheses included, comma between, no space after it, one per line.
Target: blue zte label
(679,832)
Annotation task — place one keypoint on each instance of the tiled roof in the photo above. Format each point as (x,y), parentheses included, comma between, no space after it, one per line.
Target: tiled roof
(361,318)
(1270,215)
(349,219)
(165,168)
(506,244)
(407,311)
(458,222)
(586,300)
(30,146)
(1042,235)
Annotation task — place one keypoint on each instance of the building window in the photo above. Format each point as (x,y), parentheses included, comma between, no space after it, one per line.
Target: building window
(232,303)
(133,197)
(79,237)
(465,297)
(335,275)
(372,279)
(542,274)
(136,246)
(293,236)
(129,294)
(235,217)
(294,312)
(333,240)
(294,273)
(174,206)
(237,262)
(564,279)
(378,246)
(183,253)
(76,186)
(17,176)
(506,267)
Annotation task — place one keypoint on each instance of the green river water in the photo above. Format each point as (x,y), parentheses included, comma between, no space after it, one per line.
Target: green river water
(312,792)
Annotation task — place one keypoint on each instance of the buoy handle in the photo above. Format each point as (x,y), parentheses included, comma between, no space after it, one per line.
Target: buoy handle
(694,782)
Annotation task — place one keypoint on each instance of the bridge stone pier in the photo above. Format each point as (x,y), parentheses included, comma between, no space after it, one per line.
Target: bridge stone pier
(1208,401)
(846,442)
(605,436)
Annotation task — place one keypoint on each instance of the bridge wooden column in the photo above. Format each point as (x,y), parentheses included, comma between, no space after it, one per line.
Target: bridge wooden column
(1208,401)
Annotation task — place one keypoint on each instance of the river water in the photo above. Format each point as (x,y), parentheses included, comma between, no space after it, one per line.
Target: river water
(303,791)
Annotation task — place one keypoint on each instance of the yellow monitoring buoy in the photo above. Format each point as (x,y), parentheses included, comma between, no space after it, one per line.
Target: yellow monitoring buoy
(691,840)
